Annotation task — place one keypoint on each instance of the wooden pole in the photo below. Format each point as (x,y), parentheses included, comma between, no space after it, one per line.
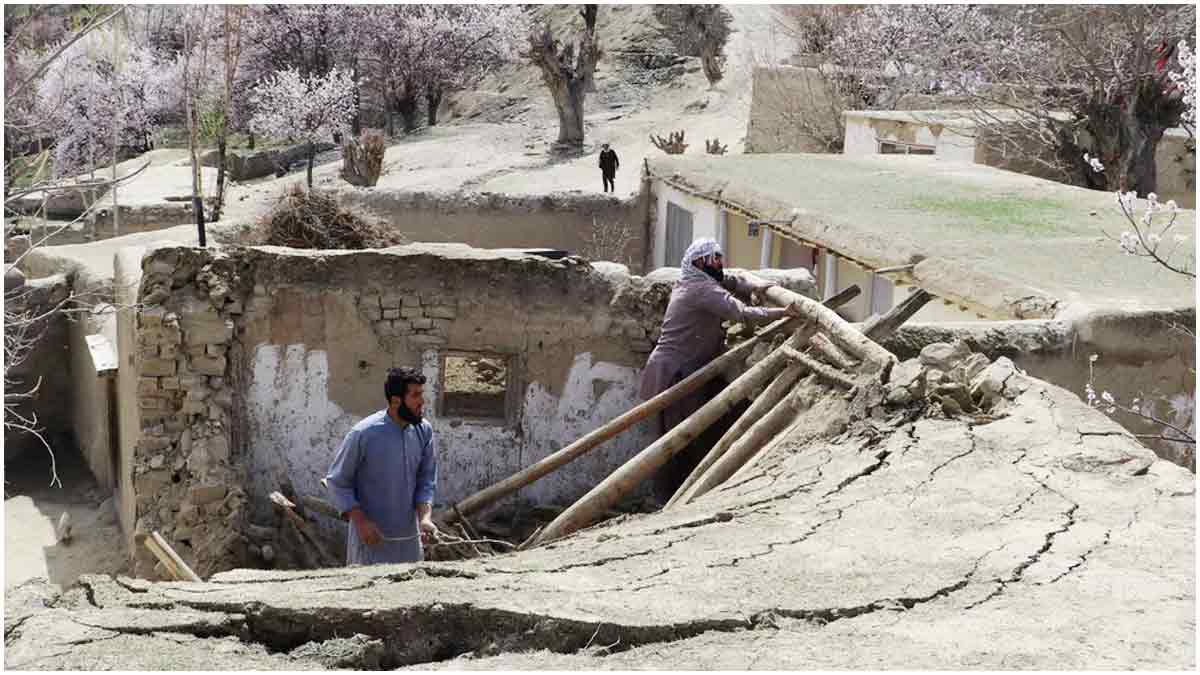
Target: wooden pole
(582,446)
(844,335)
(823,371)
(169,558)
(831,352)
(747,449)
(744,448)
(619,483)
(305,530)
(765,401)
(879,327)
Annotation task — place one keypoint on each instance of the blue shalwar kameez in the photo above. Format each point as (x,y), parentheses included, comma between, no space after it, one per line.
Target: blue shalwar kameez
(385,468)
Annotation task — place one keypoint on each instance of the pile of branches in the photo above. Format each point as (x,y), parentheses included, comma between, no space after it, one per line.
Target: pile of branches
(308,219)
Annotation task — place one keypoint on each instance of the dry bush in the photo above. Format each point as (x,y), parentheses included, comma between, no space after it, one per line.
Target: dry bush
(307,219)
(609,242)
(714,147)
(362,159)
(672,145)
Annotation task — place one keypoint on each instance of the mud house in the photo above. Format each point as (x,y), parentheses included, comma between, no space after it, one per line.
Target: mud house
(1005,254)
(241,371)
(954,135)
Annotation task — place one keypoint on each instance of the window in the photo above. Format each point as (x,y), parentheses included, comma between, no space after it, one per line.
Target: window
(679,232)
(475,386)
(752,228)
(901,148)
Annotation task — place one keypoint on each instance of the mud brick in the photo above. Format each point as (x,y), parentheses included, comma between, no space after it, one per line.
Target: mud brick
(410,312)
(422,324)
(147,386)
(441,312)
(390,314)
(158,368)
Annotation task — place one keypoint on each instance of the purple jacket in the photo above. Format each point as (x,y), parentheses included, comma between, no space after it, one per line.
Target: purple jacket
(691,330)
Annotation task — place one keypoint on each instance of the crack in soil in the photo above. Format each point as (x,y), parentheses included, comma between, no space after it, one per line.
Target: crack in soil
(1083,557)
(593,563)
(939,467)
(1019,571)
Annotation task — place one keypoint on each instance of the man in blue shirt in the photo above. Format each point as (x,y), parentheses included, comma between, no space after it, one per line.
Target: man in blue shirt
(384,474)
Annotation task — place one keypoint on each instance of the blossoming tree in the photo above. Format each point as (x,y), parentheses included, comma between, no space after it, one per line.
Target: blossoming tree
(310,108)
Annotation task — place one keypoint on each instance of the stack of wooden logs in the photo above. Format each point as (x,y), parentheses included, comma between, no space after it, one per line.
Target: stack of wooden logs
(820,342)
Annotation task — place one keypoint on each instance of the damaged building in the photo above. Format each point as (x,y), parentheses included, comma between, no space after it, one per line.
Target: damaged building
(911,467)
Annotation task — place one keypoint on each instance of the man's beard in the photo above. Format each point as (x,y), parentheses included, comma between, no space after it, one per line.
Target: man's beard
(408,415)
(717,273)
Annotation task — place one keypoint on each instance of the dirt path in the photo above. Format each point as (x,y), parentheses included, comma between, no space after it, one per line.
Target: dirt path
(31,512)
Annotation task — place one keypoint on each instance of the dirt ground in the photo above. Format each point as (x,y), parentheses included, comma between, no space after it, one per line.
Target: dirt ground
(32,509)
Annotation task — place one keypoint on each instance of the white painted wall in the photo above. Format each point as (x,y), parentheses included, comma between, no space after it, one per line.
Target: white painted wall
(862,137)
(706,219)
(294,428)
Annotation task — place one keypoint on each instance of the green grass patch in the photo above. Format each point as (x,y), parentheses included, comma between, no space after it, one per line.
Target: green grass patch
(1003,214)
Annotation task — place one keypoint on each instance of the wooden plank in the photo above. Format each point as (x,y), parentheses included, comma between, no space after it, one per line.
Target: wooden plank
(169,558)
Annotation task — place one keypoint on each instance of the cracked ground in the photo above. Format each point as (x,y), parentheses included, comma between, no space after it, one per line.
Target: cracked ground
(1049,539)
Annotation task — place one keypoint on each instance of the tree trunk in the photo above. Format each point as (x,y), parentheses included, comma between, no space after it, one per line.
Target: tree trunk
(433,100)
(568,100)
(407,107)
(711,60)
(356,123)
(391,122)
(312,156)
(221,151)
(250,140)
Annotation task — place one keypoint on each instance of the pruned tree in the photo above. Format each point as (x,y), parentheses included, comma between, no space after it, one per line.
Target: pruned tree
(672,145)
(312,108)
(714,147)
(362,159)
(568,71)
(698,30)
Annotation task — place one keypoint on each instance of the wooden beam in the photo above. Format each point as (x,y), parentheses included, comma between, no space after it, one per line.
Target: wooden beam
(324,557)
(879,327)
(170,559)
(823,371)
(593,439)
(589,508)
(765,401)
(747,445)
(875,359)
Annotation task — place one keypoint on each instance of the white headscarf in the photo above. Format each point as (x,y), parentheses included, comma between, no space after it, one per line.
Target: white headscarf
(701,248)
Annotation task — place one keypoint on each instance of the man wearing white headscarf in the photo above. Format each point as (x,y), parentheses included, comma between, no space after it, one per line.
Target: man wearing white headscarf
(691,336)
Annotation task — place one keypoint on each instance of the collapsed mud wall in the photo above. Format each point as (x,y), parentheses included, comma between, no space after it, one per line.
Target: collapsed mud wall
(248,368)
(597,227)
(1148,357)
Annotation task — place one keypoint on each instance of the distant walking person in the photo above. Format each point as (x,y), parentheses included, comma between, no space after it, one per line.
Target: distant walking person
(384,475)
(608,167)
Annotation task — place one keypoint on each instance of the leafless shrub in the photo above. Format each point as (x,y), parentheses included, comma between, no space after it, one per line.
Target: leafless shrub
(714,147)
(609,241)
(304,219)
(672,145)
